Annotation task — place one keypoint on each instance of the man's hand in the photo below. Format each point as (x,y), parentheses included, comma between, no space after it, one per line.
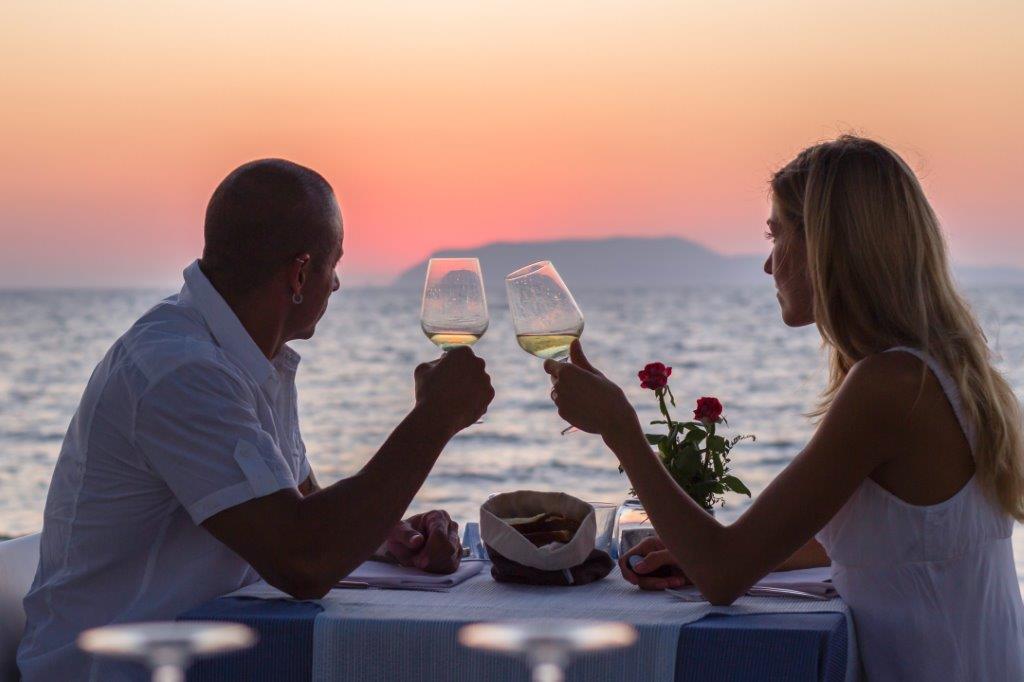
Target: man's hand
(455,388)
(586,398)
(429,542)
(655,556)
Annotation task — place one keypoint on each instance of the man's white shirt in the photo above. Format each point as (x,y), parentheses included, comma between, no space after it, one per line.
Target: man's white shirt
(183,418)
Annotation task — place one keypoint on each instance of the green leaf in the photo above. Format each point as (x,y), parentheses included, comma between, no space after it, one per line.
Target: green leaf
(654,438)
(716,461)
(686,464)
(695,436)
(716,443)
(736,485)
(702,490)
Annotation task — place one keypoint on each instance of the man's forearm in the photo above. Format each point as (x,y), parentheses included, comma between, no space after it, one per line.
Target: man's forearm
(342,525)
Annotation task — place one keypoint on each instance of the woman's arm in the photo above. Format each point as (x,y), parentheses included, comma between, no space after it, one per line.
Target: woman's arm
(862,430)
(655,556)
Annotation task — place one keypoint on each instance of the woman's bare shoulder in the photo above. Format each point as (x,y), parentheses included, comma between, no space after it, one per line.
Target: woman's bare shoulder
(882,388)
(892,369)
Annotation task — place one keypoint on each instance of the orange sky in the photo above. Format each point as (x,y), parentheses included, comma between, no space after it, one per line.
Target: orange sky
(450,124)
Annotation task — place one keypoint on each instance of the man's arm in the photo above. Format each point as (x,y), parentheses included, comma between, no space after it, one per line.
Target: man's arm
(428,541)
(303,545)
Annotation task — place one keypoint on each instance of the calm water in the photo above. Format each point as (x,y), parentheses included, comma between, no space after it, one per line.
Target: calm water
(355,384)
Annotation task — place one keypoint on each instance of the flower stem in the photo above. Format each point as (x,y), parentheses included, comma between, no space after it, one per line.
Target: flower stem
(664,407)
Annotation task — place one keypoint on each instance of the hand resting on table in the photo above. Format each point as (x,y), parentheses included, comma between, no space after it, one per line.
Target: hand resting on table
(429,542)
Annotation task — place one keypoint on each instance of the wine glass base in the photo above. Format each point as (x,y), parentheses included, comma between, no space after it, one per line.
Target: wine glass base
(167,648)
(548,645)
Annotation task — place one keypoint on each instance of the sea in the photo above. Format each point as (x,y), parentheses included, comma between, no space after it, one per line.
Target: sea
(355,384)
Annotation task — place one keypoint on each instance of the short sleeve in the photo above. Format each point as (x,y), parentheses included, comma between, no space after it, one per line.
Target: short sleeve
(198,429)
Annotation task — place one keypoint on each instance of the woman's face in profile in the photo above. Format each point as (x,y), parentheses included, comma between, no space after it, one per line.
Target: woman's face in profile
(787,264)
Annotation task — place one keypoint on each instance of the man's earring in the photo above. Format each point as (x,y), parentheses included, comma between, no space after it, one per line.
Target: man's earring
(296,299)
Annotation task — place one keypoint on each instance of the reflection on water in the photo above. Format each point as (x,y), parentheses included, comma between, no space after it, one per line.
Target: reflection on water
(355,384)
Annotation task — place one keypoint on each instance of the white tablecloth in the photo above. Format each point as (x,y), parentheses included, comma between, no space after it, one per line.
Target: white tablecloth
(360,631)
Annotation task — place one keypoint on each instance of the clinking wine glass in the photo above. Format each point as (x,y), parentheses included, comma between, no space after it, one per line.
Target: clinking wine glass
(454,310)
(544,313)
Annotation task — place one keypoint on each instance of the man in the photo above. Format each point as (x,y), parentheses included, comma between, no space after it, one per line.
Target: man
(183,469)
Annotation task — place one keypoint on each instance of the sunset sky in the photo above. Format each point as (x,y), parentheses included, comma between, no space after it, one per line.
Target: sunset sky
(452,124)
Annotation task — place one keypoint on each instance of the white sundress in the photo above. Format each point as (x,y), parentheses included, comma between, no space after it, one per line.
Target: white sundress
(933,589)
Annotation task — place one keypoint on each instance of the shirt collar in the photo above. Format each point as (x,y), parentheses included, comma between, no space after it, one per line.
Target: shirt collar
(228,331)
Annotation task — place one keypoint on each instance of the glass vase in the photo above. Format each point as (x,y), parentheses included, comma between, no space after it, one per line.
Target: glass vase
(632,525)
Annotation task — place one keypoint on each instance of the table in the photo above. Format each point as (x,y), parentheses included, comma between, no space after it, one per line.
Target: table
(388,635)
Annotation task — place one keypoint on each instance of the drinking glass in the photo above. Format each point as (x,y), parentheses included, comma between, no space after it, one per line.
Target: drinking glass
(604,514)
(544,313)
(166,648)
(454,311)
(548,645)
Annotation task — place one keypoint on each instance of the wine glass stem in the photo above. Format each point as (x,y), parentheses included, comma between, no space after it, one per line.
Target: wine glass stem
(548,672)
(168,673)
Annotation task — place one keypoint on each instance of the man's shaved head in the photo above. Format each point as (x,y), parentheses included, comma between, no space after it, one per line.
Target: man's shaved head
(262,215)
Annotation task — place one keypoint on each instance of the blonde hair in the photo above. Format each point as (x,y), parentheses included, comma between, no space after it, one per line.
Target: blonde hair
(880,276)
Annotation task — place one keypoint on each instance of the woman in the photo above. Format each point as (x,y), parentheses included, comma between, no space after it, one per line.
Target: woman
(915,474)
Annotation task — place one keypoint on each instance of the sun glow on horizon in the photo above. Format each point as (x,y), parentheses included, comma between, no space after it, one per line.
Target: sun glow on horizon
(451,125)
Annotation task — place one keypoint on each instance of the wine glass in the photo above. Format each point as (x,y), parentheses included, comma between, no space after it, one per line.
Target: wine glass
(167,648)
(548,645)
(544,313)
(454,311)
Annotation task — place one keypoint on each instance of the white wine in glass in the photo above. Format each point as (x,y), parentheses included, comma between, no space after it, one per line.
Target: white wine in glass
(544,313)
(547,346)
(454,311)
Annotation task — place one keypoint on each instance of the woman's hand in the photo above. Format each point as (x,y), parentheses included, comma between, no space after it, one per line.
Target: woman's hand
(586,398)
(655,556)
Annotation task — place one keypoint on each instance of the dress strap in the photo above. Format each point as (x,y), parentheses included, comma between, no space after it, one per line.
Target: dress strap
(948,387)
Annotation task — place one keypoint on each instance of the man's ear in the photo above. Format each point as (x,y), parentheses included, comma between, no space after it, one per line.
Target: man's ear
(298,273)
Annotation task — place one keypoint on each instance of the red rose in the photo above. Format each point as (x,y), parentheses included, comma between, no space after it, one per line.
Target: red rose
(654,376)
(709,410)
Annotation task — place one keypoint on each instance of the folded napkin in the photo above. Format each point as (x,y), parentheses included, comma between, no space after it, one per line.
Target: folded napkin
(815,581)
(393,577)
(379,575)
